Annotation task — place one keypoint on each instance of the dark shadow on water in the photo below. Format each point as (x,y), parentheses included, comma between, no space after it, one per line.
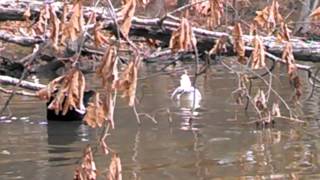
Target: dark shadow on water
(60,137)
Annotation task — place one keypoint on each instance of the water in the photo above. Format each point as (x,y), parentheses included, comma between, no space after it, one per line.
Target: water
(216,143)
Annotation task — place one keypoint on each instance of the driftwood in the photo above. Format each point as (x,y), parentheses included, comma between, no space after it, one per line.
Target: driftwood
(155,28)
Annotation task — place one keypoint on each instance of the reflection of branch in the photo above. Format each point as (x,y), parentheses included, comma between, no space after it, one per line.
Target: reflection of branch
(137,114)
(135,152)
(23,93)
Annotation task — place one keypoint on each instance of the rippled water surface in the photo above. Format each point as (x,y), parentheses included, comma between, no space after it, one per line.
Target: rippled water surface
(216,143)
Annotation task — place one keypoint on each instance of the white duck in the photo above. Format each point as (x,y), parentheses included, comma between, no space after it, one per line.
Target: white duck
(186,90)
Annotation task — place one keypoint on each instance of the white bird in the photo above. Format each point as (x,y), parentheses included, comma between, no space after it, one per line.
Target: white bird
(186,90)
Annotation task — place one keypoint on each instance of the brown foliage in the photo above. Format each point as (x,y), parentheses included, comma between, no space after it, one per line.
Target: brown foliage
(70,92)
(115,169)
(47,92)
(99,38)
(127,13)
(40,25)
(183,38)
(108,70)
(55,28)
(73,28)
(289,59)
(216,12)
(284,34)
(127,83)
(315,14)
(292,69)
(269,17)
(87,170)
(258,54)
(238,43)
(96,113)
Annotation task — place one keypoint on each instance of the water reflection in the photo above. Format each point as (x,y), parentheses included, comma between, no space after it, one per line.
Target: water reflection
(61,136)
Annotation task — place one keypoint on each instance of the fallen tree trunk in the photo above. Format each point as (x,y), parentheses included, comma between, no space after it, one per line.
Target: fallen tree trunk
(23,84)
(155,28)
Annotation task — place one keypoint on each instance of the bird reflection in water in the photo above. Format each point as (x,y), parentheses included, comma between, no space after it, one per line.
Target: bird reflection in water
(188,99)
(61,135)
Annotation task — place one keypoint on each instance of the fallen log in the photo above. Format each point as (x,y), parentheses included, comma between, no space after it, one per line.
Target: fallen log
(23,84)
(155,28)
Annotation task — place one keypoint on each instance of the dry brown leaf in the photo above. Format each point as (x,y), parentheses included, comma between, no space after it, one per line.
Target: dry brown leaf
(40,25)
(96,113)
(87,170)
(315,14)
(183,38)
(284,34)
(70,93)
(73,28)
(202,8)
(99,38)
(127,13)
(288,57)
(292,69)
(115,169)
(269,17)
(258,54)
(55,28)
(127,83)
(216,13)
(238,43)
(108,70)
(47,92)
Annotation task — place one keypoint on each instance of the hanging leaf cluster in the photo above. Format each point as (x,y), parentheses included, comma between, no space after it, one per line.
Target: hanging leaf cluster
(73,28)
(292,70)
(108,70)
(216,13)
(183,38)
(67,92)
(269,17)
(126,13)
(127,83)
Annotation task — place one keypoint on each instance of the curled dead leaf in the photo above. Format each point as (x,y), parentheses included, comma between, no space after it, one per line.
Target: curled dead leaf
(258,54)
(108,70)
(216,13)
(183,38)
(96,113)
(238,43)
(127,83)
(74,27)
(269,17)
(127,12)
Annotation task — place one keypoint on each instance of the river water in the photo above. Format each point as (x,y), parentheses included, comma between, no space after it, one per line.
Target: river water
(217,143)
